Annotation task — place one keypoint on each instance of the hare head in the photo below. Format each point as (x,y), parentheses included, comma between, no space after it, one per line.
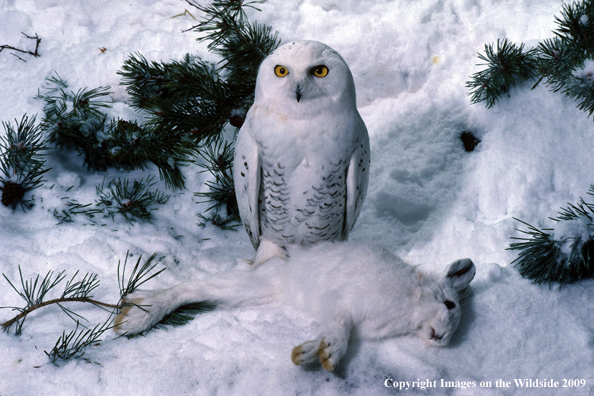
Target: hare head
(439,302)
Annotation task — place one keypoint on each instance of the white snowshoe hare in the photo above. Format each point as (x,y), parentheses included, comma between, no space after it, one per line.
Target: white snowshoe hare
(347,287)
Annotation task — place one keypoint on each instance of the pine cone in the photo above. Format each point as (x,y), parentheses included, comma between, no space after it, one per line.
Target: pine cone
(237,120)
(12,194)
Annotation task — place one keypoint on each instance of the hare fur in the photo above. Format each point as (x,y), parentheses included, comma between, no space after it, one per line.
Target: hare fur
(347,287)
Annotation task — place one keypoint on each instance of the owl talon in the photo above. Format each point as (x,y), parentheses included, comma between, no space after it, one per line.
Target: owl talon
(267,251)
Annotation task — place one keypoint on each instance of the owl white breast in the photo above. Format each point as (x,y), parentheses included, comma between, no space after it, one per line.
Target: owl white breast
(302,155)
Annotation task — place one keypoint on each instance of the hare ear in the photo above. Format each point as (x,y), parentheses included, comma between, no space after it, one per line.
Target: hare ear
(460,273)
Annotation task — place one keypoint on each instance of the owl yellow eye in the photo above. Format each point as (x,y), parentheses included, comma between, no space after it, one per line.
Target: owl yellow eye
(320,71)
(280,71)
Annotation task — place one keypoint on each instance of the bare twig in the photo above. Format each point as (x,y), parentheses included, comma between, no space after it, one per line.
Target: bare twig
(33,53)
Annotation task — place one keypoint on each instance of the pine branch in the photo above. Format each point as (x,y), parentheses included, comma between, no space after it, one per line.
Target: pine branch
(77,121)
(192,101)
(24,144)
(22,162)
(139,275)
(131,201)
(565,62)
(224,21)
(192,94)
(581,209)
(575,25)
(6,325)
(185,100)
(218,160)
(561,254)
(507,66)
(34,291)
(538,254)
(72,345)
(242,45)
(76,107)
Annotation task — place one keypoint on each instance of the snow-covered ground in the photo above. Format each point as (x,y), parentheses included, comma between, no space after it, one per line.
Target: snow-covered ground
(428,200)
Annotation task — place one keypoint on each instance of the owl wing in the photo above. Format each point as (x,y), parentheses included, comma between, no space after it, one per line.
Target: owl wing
(357,179)
(246,176)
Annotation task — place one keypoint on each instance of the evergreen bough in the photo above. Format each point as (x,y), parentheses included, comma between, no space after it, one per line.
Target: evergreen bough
(218,160)
(562,254)
(77,121)
(194,100)
(132,201)
(565,62)
(35,291)
(187,105)
(22,162)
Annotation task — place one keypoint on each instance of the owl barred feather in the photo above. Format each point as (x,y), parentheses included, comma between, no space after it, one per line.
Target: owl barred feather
(302,156)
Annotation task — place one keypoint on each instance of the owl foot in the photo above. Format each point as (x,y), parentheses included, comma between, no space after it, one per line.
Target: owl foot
(268,250)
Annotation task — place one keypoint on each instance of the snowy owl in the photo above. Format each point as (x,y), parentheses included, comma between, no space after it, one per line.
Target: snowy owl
(302,155)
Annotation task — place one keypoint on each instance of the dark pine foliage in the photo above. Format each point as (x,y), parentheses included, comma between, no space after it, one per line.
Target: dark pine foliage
(77,121)
(507,66)
(22,163)
(198,98)
(563,62)
(546,257)
(194,100)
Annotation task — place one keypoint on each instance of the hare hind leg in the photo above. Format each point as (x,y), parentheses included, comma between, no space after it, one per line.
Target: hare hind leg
(143,309)
(328,348)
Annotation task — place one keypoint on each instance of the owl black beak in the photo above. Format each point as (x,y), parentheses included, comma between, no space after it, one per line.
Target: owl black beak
(298,92)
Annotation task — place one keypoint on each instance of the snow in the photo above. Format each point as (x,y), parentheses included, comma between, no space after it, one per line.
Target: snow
(428,200)
(573,232)
(586,72)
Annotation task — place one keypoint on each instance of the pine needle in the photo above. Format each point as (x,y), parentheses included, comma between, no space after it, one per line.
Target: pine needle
(545,257)
(73,344)
(22,163)
(184,314)
(139,275)
(564,61)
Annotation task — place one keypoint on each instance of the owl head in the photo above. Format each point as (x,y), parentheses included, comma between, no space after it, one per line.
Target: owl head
(305,77)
